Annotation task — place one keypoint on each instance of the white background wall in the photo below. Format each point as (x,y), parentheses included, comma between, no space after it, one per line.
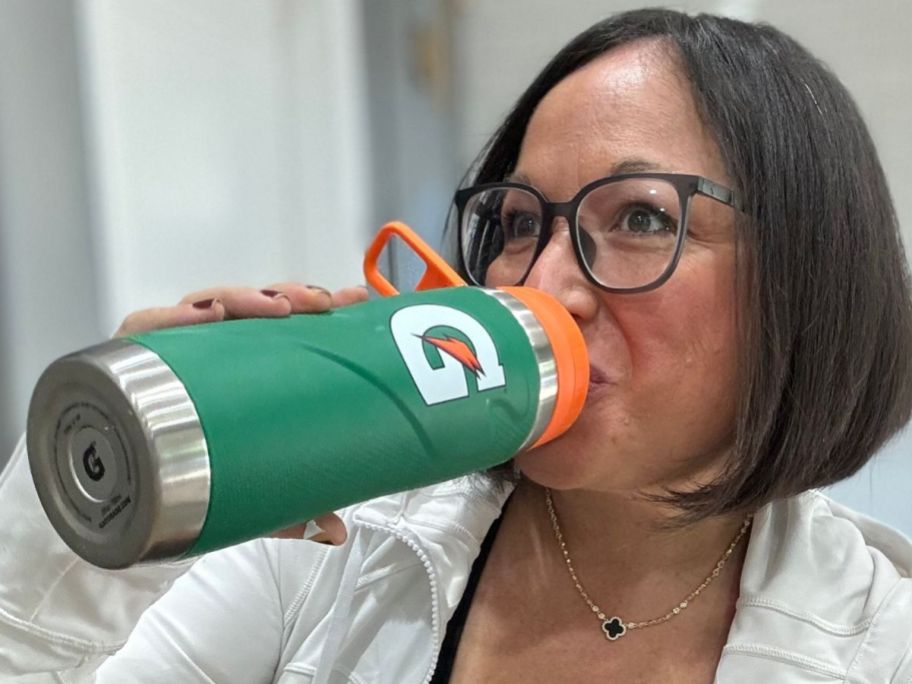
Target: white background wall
(48,276)
(228,143)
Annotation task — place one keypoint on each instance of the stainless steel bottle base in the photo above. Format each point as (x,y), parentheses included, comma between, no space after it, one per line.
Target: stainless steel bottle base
(118,455)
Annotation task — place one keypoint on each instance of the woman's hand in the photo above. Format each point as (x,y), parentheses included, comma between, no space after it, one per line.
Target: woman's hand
(226,303)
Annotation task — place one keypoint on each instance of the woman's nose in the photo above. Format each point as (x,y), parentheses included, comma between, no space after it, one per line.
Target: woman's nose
(557,272)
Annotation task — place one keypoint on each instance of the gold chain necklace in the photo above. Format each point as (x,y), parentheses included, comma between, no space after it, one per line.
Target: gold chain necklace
(614,627)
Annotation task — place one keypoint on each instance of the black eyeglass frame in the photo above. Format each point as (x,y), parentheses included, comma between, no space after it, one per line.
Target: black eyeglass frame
(686,185)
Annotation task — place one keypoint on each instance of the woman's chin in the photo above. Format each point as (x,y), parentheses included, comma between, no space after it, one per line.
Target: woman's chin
(581,458)
(559,465)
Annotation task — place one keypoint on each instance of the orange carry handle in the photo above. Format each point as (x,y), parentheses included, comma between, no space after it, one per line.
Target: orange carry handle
(438,274)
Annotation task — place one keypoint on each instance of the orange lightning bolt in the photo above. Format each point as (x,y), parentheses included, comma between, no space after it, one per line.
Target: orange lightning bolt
(458,349)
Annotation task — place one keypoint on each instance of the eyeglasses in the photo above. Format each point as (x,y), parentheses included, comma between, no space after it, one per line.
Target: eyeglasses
(627,231)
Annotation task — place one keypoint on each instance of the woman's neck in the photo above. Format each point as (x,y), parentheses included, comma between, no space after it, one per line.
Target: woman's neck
(621,552)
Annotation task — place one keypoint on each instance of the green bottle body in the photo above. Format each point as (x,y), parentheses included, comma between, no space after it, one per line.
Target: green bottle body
(283,419)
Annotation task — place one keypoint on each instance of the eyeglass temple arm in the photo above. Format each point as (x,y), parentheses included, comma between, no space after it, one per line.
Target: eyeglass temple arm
(719,193)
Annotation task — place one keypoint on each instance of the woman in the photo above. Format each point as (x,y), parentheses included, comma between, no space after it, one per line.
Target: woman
(739,361)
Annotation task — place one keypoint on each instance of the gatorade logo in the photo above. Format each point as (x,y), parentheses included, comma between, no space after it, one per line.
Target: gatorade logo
(92,463)
(459,359)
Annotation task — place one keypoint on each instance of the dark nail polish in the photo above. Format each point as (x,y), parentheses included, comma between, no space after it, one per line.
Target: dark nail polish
(204,304)
(271,293)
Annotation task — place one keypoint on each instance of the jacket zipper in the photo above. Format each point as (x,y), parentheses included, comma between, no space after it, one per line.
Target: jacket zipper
(432,579)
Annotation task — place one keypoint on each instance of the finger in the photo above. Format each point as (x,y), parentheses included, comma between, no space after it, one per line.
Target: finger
(207,310)
(246,302)
(349,295)
(304,298)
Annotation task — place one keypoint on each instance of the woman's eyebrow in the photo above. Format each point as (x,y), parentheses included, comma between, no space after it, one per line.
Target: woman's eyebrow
(635,165)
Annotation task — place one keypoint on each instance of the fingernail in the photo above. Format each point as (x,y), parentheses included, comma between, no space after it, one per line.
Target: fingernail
(317,288)
(204,304)
(273,294)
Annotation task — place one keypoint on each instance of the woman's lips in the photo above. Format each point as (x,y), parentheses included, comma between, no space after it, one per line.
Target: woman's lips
(598,380)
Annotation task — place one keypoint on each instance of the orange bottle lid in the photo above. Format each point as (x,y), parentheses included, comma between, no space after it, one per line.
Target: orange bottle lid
(570,356)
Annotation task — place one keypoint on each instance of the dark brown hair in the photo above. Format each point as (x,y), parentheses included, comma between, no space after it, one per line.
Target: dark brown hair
(826,326)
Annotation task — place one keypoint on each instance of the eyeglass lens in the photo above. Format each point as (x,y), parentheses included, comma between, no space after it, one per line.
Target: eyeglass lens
(628,231)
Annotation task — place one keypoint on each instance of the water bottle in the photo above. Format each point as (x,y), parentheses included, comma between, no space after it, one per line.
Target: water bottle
(173,443)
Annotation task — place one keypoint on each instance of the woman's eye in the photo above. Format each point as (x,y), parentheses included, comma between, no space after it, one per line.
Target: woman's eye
(518,225)
(646,221)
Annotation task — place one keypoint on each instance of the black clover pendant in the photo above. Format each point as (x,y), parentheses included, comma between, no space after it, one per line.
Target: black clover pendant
(614,628)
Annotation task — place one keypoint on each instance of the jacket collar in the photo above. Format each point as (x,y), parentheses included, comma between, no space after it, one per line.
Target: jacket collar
(812,567)
(812,557)
(446,522)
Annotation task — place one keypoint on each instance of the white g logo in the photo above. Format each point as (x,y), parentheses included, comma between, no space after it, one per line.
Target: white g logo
(437,385)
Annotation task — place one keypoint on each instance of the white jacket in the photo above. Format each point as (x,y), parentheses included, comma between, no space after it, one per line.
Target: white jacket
(826,596)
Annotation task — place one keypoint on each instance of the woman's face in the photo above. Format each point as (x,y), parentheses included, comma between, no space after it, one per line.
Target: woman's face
(661,407)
